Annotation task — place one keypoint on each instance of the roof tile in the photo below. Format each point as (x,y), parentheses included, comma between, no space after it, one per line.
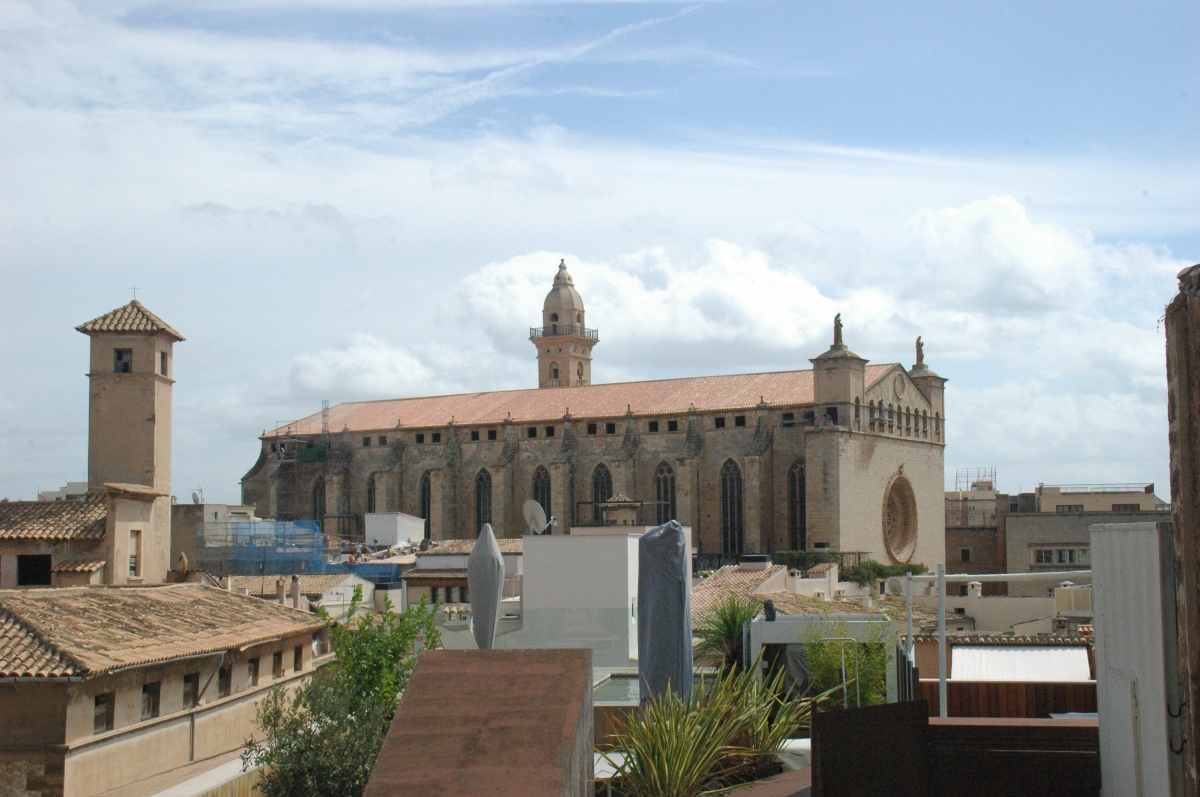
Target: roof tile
(55,520)
(132,318)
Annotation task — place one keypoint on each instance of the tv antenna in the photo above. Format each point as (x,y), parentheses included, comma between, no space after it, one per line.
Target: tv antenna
(535,517)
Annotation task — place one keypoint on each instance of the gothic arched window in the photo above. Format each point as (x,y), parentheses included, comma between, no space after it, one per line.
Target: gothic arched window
(937,426)
(426,499)
(371,494)
(541,489)
(664,494)
(925,424)
(483,500)
(733,529)
(797,508)
(907,421)
(871,415)
(601,490)
(857,413)
(891,418)
(318,502)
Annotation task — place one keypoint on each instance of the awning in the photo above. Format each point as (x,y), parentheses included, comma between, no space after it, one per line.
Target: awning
(1019,663)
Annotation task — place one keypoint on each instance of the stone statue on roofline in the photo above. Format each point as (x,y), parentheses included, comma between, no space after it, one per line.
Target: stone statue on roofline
(837,330)
(920,351)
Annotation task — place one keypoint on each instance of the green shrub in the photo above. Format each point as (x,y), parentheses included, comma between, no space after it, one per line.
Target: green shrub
(825,665)
(872,572)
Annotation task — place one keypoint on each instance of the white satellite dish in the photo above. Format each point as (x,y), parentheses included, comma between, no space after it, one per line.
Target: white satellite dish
(195,498)
(535,516)
(895,586)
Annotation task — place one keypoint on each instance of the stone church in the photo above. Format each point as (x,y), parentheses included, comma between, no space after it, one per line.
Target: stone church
(844,455)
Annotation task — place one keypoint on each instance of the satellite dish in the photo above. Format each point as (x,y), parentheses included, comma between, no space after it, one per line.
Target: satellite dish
(195,498)
(535,516)
(895,586)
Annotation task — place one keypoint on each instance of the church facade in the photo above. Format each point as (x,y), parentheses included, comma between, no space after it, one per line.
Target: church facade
(844,455)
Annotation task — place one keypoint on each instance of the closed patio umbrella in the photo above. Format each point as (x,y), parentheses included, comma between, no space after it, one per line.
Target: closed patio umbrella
(485,580)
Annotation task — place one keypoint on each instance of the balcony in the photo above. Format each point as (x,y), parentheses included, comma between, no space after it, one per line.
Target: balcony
(554,330)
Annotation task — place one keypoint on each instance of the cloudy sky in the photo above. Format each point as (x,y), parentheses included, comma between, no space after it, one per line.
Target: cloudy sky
(367,199)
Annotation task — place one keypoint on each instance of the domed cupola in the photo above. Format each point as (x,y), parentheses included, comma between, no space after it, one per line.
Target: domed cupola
(564,342)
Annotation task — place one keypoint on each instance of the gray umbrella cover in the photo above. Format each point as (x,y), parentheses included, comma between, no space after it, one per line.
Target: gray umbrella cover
(485,580)
(664,613)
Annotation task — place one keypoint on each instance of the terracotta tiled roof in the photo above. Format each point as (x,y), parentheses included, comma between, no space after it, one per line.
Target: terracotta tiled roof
(655,397)
(450,574)
(54,520)
(133,318)
(311,586)
(894,608)
(90,630)
(985,638)
(79,566)
(729,580)
(820,569)
(508,545)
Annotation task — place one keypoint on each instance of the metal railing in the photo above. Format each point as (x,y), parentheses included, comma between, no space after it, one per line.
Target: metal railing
(1068,489)
(564,329)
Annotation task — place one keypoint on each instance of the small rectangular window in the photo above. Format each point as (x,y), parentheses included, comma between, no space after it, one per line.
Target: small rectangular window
(831,414)
(739,420)
(1014,504)
(591,428)
(34,570)
(123,361)
(1065,508)
(105,706)
(420,438)
(491,434)
(150,700)
(531,431)
(277,664)
(719,423)
(433,595)
(191,689)
(437,437)
(162,363)
(789,419)
(965,555)
(366,442)
(225,681)
(810,416)
(672,426)
(610,428)
(464,594)
(383,440)
(549,431)
(135,553)
(1043,556)
(298,658)
(1126,508)
(274,448)
(1083,556)
(252,672)
(474,436)
(821,546)
(653,426)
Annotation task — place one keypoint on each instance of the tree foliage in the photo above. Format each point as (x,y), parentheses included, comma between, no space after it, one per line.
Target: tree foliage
(872,572)
(720,631)
(321,739)
(868,683)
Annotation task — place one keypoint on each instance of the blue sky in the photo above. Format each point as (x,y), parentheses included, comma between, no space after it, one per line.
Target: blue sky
(367,200)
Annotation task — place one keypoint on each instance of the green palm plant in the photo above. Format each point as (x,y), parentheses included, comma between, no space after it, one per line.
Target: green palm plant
(720,631)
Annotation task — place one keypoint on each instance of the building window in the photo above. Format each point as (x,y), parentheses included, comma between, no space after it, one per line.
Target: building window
(1068,508)
(1126,508)
(436,437)
(789,419)
(591,428)
(433,595)
(891,419)
(602,490)
(610,428)
(857,413)
(531,431)
(104,708)
(162,363)
(925,424)
(318,502)
(554,371)
(420,438)
(739,420)
(426,499)
(652,427)
(541,489)
(150,700)
(366,442)
(1043,556)
(252,672)
(900,520)
(382,440)
(371,494)
(831,414)
(964,555)
(549,431)
(277,664)
(871,415)
(491,434)
(34,570)
(937,426)
(135,553)
(191,690)
(733,530)
(474,436)
(810,416)
(1014,504)
(225,681)
(664,494)
(298,658)
(797,508)
(483,499)
(123,361)
(464,594)
(718,423)
(672,426)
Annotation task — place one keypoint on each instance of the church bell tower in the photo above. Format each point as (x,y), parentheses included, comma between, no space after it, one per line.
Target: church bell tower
(564,342)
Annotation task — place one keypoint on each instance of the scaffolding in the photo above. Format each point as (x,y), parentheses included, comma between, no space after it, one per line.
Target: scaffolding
(969,479)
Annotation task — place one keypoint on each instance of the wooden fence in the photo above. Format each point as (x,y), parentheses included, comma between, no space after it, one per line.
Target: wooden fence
(1010,699)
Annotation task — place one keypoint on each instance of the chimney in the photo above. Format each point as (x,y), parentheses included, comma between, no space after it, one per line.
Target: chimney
(295,592)
(974,589)
(279,590)
(831,582)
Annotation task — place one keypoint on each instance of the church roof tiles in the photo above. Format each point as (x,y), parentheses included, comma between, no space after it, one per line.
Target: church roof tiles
(653,397)
(131,319)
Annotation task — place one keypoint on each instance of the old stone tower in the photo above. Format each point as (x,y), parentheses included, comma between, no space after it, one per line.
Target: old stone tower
(563,341)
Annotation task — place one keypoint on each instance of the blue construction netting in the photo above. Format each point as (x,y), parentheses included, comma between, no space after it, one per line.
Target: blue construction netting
(277,547)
